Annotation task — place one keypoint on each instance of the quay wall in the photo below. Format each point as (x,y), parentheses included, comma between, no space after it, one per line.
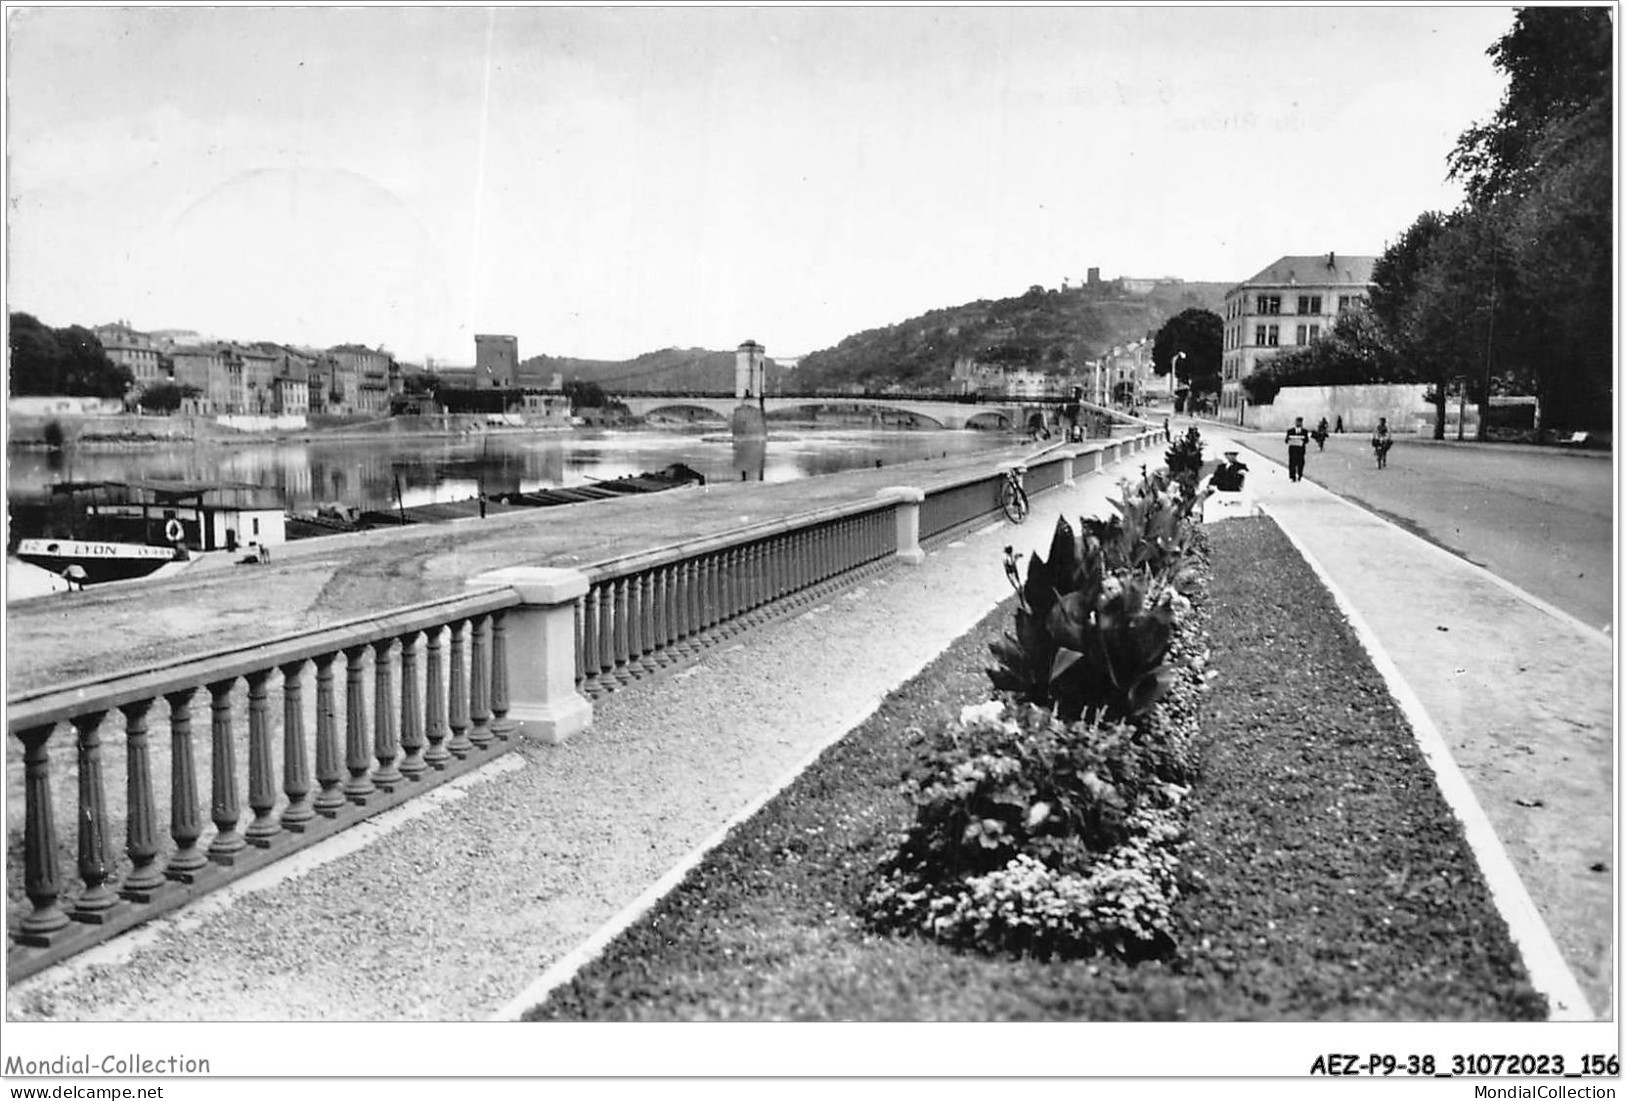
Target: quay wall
(290,700)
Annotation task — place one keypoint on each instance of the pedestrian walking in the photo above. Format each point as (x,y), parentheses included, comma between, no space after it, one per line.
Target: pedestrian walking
(1381,441)
(1320,435)
(1339,424)
(1297,446)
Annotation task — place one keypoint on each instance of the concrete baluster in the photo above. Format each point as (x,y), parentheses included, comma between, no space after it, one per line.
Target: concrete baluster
(1068,475)
(95,862)
(634,626)
(434,702)
(501,725)
(544,702)
(357,747)
(42,879)
(582,671)
(225,802)
(604,597)
(411,763)
(141,811)
(385,737)
(682,608)
(459,746)
(262,791)
(713,594)
(295,759)
(185,819)
(622,674)
(660,579)
(329,761)
(479,683)
(591,648)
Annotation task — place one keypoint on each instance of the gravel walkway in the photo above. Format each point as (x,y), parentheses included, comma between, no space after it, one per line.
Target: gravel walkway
(449,909)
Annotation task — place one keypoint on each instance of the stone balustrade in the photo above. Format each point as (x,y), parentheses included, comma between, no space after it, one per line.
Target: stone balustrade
(376,710)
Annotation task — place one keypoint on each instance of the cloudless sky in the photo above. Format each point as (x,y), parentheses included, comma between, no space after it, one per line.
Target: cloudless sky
(606,181)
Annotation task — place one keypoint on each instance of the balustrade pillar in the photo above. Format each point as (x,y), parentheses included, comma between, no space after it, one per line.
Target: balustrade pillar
(412,764)
(434,702)
(95,863)
(1068,476)
(479,688)
(604,599)
(541,647)
(329,760)
(141,811)
(261,776)
(621,673)
(185,819)
(357,751)
(42,880)
(225,802)
(295,759)
(385,741)
(502,726)
(460,747)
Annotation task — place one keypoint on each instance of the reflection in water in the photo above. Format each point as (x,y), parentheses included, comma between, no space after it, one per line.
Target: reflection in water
(364,473)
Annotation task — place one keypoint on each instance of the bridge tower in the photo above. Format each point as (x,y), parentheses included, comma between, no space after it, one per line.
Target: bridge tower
(750,371)
(750,382)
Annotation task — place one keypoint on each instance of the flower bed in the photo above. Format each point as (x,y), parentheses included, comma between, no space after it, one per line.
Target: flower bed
(1322,875)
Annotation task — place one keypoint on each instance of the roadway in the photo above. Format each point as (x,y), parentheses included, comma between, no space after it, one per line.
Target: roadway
(1540,519)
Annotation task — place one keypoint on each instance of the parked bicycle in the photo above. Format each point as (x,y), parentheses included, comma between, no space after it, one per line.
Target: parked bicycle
(1013,497)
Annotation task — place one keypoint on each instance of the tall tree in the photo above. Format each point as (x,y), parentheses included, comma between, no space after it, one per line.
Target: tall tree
(1199,334)
(1559,64)
(70,361)
(1541,172)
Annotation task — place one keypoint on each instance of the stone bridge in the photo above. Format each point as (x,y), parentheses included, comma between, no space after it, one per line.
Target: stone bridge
(943,413)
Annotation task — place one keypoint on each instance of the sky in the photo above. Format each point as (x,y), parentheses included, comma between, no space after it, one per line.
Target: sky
(606,181)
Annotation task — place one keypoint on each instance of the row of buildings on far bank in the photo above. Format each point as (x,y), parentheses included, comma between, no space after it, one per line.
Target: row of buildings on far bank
(269,379)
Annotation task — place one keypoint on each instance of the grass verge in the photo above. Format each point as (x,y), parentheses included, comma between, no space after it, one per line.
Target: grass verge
(1328,878)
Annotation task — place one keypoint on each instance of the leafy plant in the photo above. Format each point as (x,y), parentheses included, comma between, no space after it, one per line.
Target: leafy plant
(1090,638)
(1184,459)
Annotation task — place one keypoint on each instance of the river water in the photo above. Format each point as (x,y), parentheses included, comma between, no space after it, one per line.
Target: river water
(430,469)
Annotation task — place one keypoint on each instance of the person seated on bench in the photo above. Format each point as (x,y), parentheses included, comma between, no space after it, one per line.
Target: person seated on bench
(1229,476)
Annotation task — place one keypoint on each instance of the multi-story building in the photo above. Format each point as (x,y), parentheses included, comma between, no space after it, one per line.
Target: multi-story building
(363,377)
(203,368)
(141,352)
(1125,373)
(1288,305)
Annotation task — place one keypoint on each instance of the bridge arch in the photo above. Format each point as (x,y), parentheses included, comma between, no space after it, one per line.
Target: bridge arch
(687,412)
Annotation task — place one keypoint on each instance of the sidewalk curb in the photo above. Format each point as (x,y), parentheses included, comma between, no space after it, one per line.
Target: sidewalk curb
(1548,972)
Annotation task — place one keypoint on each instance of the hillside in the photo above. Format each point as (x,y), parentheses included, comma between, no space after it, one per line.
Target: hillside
(1045,330)
(670,369)
(1048,330)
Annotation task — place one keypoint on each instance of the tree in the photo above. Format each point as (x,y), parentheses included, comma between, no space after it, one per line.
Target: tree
(584,394)
(1199,334)
(1355,352)
(1559,64)
(166,397)
(70,361)
(1541,173)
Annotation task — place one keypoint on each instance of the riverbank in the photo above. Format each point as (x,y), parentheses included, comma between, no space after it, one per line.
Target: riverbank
(318,582)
